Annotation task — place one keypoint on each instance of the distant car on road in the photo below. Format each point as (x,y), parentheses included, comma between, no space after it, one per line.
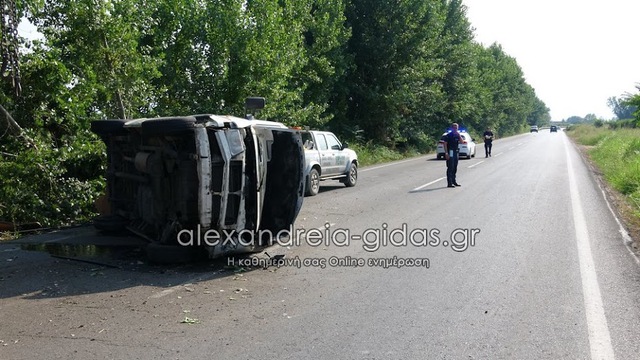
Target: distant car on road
(553,128)
(467,149)
(534,128)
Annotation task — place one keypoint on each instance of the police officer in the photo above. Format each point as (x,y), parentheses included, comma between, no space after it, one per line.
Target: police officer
(451,141)
(488,139)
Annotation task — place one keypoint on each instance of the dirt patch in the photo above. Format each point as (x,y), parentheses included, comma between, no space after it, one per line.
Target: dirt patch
(623,208)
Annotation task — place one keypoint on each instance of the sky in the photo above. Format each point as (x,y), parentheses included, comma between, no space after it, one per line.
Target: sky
(576,54)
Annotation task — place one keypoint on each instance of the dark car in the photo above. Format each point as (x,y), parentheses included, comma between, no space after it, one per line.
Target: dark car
(553,128)
(184,179)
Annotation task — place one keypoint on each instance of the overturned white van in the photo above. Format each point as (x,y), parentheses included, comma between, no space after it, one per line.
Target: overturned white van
(216,176)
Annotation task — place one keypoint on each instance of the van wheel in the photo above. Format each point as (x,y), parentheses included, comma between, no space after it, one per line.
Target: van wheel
(352,177)
(313,183)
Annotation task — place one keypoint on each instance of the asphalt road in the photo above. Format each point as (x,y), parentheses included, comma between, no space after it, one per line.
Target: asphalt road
(524,261)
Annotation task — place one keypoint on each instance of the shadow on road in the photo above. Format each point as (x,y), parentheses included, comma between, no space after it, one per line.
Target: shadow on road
(82,261)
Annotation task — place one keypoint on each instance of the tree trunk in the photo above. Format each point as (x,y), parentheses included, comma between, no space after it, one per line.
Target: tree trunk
(12,125)
(15,129)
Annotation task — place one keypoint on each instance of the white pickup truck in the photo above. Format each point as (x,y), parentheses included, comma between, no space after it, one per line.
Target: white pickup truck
(327,158)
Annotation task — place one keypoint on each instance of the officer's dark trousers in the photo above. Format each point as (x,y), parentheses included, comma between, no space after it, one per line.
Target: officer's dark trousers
(452,168)
(487,148)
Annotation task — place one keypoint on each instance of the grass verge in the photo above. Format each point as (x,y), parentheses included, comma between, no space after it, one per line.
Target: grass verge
(370,154)
(616,155)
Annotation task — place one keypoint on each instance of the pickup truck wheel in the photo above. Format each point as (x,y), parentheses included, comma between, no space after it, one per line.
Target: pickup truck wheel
(352,177)
(167,126)
(313,183)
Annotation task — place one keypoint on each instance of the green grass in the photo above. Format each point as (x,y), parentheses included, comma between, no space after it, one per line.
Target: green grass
(617,154)
(589,135)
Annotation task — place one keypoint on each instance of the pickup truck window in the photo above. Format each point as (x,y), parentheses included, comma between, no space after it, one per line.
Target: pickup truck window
(334,144)
(307,141)
(322,142)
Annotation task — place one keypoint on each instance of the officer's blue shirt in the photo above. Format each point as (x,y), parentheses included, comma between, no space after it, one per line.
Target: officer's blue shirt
(453,139)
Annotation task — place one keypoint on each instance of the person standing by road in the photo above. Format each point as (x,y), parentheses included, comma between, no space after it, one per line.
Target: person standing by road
(488,142)
(450,142)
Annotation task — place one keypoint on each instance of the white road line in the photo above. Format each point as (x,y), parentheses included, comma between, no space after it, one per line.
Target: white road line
(511,148)
(391,164)
(427,184)
(476,164)
(626,239)
(599,337)
(498,154)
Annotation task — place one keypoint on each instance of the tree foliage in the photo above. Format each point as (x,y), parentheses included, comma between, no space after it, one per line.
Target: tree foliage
(634,101)
(623,107)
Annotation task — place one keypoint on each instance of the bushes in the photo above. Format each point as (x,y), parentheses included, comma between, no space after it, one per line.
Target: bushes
(588,135)
(369,153)
(51,183)
(621,124)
